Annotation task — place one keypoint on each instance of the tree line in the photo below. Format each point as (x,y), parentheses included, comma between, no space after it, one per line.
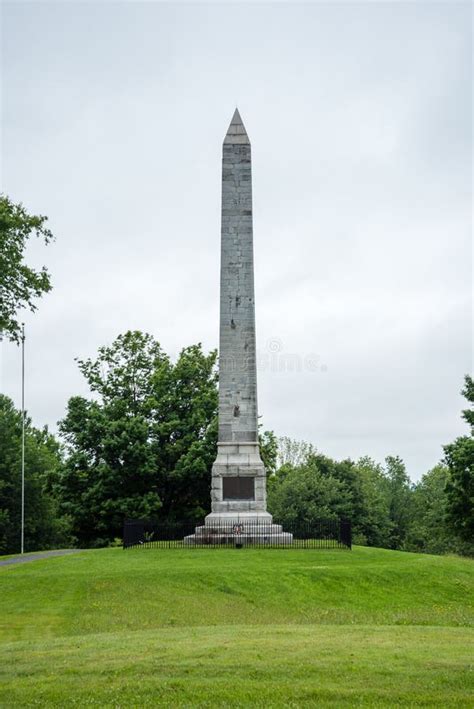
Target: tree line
(143,444)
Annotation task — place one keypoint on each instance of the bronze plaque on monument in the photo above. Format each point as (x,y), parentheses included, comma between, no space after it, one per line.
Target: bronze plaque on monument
(236,488)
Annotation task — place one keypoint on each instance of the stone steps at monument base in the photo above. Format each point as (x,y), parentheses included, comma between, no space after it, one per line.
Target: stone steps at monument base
(239,528)
(272,534)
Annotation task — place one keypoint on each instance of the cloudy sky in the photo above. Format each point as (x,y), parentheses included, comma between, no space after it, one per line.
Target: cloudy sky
(359,115)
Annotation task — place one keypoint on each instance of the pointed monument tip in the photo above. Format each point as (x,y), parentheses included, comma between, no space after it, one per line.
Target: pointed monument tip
(236,132)
(236,118)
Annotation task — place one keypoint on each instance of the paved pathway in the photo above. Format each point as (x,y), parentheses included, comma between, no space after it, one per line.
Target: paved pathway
(23,558)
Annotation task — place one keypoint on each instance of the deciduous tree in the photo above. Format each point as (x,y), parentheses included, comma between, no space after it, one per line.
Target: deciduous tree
(144,446)
(459,457)
(44,527)
(428,530)
(307,492)
(398,490)
(20,285)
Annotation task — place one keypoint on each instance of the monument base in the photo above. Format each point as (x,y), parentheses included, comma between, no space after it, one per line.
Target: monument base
(239,529)
(252,517)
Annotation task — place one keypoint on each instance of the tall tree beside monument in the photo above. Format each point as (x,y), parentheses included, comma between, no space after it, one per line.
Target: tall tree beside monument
(144,444)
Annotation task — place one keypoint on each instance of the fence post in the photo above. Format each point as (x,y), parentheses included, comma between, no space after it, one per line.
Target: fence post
(346,533)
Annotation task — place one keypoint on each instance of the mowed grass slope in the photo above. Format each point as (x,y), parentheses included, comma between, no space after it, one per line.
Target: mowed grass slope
(238,628)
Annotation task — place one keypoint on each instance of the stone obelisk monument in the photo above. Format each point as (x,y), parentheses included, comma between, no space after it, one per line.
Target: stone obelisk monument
(238,493)
(238,474)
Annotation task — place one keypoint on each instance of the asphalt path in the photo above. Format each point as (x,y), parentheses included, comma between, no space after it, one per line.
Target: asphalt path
(23,558)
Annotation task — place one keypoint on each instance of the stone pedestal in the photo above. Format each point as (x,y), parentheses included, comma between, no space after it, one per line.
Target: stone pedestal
(239,521)
(238,460)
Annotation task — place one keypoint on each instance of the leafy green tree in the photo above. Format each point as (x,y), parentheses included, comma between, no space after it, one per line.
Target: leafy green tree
(291,452)
(399,493)
(374,526)
(144,446)
(459,457)
(268,451)
(342,475)
(386,510)
(309,485)
(428,530)
(468,393)
(44,528)
(20,285)
(346,472)
(306,493)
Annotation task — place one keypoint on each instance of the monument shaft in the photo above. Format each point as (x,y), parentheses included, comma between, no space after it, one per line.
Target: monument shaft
(238,493)
(237,350)
(238,474)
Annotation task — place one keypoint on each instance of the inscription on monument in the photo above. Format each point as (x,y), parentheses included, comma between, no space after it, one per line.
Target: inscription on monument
(237,488)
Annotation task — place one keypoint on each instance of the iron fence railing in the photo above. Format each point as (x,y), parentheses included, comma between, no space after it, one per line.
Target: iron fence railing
(320,534)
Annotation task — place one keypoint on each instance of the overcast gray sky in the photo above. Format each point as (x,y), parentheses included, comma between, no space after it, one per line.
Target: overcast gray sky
(359,116)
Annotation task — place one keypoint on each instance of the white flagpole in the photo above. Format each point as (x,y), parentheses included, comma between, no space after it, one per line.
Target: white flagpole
(23,438)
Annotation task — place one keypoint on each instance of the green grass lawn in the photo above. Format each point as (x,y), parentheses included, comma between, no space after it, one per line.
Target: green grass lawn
(213,627)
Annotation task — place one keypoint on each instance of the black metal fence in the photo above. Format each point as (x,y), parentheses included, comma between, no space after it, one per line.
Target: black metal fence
(321,534)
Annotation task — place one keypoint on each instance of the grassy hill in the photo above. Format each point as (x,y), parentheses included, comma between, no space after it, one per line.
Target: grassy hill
(237,628)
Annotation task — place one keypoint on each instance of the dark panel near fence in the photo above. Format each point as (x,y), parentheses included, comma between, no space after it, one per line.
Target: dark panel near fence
(321,534)
(235,488)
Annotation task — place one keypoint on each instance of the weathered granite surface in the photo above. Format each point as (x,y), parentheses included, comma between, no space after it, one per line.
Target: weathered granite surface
(238,451)
(238,454)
